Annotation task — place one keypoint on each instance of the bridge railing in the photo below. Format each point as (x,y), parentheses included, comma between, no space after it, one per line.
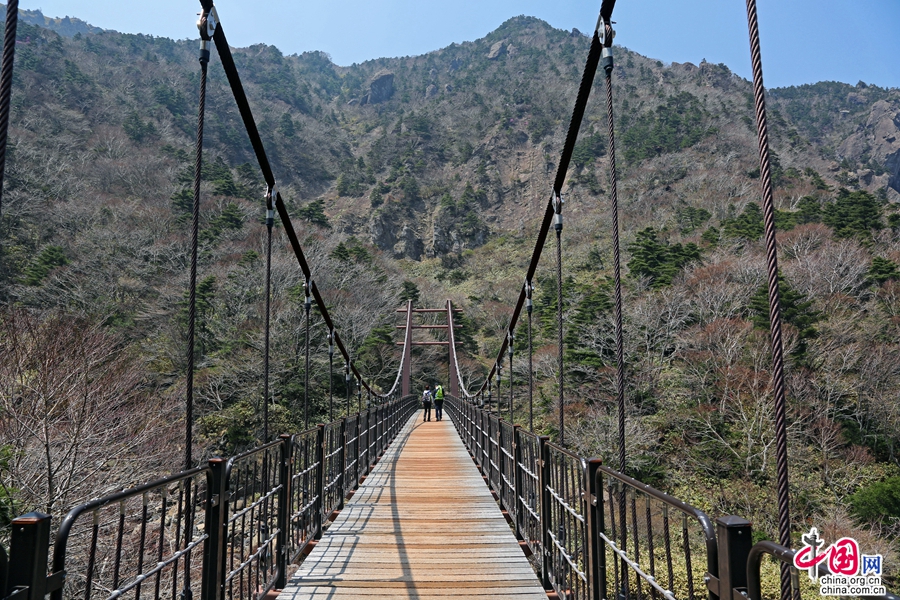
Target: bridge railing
(571,513)
(226,530)
(596,533)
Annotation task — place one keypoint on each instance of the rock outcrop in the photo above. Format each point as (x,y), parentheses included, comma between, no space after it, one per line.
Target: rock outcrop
(449,235)
(380,89)
(388,234)
(879,138)
(408,244)
(496,49)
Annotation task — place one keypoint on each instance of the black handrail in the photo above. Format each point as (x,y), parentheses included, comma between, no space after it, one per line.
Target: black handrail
(262,510)
(709,530)
(62,536)
(555,499)
(785,556)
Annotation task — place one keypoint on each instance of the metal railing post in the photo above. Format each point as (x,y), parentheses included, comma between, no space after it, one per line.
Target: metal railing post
(517,475)
(500,462)
(28,552)
(596,567)
(320,479)
(368,439)
(284,507)
(358,435)
(214,550)
(735,539)
(546,542)
(4,563)
(342,474)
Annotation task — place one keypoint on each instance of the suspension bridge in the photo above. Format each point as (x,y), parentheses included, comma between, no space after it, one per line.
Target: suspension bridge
(381,503)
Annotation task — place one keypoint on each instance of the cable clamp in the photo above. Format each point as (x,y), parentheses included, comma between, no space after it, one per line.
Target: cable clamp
(307,290)
(606,60)
(271,194)
(602,27)
(331,343)
(529,289)
(207,25)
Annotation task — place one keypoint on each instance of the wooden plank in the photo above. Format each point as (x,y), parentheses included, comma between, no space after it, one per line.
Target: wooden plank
(422,525)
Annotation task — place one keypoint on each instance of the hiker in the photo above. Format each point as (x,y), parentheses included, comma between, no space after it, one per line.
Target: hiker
(438,401)
(426,403)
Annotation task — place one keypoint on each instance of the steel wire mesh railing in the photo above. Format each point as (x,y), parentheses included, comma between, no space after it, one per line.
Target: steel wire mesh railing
(225,530)
(594,532)
(145,541)
(304,514)
(253,486)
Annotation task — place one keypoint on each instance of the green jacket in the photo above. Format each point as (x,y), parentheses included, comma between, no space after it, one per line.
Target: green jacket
(439,392)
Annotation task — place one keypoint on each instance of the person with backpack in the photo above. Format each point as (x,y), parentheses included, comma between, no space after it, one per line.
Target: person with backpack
(426,403)
(438,401)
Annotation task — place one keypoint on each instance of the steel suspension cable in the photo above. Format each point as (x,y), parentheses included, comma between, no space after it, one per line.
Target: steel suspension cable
(608,66)
(307,305)
(6,75)
(270,220)
(347,385)
(511,339)
(331,375)
(205,24)
(553,207)
(529,289)
(240,97)
(781,458)
(559,325)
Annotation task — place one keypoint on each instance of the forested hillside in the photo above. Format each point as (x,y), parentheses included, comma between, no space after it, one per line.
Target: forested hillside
(425,178)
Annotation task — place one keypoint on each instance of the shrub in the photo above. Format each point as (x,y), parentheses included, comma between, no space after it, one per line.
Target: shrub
(877,501)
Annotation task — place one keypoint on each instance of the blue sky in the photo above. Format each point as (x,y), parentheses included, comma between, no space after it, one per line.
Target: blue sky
(803,41)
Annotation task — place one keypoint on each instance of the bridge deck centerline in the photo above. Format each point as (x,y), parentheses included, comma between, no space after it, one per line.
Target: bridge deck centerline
(422,525)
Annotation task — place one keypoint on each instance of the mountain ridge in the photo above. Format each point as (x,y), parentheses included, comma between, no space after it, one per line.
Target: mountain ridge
(67,26)
(425,178)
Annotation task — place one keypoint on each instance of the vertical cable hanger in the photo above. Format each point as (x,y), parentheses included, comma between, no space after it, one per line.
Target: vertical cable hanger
(608,64)
(270,220)
(529,308)
(207,26)
(558,226)
(6,75)
(510,339)
(307,305)
(331,375)
(778,386)
(347,385)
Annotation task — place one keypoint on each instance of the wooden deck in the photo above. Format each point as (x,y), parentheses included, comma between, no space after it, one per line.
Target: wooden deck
(422,525)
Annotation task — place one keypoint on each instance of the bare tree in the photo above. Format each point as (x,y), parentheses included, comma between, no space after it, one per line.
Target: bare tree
(78,419)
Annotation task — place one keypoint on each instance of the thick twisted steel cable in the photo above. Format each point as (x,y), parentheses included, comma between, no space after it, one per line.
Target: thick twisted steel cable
(511,405)
(195,230)
(530,368)
(778,386)
(6,74)
(269,222)
(617,256)
(608,65)
(259,150)
(307,306)
(584,92)
(559,331)
(347,385)
(331,377)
